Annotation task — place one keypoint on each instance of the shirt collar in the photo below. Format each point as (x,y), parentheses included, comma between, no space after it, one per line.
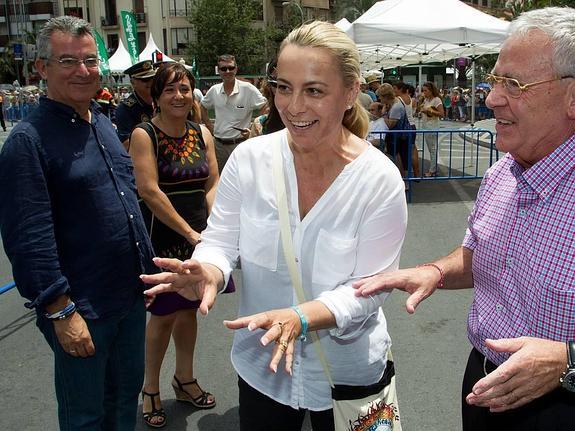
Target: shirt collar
(548,173)
(140,100)
(66,111)
(234,91)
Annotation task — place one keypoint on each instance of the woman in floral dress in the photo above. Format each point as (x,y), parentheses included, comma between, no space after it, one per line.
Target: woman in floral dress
(176,175)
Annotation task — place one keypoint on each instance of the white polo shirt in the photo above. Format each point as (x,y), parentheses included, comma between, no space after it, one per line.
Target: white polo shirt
(233,110)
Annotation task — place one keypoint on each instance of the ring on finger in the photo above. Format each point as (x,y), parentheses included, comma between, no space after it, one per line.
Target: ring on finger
(283,344)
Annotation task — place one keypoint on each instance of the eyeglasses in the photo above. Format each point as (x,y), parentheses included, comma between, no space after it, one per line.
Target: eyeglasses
(227,68)
(514,87)
(70,62)
(272,82)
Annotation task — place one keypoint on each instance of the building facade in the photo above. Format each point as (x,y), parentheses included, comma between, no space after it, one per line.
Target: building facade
(167,20)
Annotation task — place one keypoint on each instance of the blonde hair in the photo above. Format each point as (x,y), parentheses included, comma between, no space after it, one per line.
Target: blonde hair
(386,94)
(320,34)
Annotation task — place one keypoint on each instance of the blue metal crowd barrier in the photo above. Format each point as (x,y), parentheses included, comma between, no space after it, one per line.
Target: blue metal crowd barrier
(460,154)
(7,287)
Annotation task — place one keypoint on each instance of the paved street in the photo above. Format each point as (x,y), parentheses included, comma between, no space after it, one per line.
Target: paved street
(430,347)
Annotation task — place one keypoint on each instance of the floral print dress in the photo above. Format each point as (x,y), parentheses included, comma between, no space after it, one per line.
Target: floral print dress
(182,174)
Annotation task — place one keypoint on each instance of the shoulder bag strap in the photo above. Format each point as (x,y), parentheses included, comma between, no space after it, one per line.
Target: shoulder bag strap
(287,244)
(151,131)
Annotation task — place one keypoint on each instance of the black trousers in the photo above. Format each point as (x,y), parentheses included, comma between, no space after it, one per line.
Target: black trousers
(259,412)
(2,123)
(554,411)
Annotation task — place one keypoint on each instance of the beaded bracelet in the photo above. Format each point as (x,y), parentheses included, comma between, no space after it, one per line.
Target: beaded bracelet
(303,322)
(441,281)
(66,312)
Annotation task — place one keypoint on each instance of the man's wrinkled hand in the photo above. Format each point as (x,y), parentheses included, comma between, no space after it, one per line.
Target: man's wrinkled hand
(74,336)
(531,371)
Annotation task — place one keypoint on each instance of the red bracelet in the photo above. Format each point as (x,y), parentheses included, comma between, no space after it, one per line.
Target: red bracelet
(441,281)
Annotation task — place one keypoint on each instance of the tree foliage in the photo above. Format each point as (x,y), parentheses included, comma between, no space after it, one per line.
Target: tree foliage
(516,7)
(351,9)
(7,66)
(226,27)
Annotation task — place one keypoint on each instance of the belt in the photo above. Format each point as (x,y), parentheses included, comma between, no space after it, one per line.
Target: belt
(232,141)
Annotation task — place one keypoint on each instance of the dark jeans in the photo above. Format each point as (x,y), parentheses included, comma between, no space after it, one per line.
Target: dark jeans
(259,412)
(554,411)
(101,392)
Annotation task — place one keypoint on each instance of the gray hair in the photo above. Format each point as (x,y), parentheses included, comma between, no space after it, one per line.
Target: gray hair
(226,57)
(558,23)
(66,24)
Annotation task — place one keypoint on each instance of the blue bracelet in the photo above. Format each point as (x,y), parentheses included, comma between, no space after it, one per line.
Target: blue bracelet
(303,322)
(62,314)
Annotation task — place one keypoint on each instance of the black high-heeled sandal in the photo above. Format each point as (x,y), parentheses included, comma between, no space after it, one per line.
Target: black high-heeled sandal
(155,413)
(202,401)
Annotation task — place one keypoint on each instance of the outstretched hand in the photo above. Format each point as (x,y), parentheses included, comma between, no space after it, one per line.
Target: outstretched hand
(418,282)
(191,279)
(282,327)
(531,371)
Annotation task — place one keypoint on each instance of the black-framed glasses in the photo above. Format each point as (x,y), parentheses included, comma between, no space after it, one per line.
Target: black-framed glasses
(227,68)
(70,62)
(513,87)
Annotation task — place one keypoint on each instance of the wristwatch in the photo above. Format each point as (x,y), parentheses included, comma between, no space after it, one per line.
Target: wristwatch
(568,377)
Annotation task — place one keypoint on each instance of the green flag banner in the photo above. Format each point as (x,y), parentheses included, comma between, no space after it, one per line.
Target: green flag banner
(195,71)
(102,54)
(130,31)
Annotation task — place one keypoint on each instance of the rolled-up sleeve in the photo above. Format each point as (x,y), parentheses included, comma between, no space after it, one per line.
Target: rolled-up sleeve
(26,221)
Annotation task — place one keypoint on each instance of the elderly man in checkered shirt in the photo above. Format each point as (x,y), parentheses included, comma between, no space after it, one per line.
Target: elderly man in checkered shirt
(519,249)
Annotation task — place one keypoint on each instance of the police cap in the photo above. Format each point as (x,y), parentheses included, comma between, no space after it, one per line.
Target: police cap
(142,70)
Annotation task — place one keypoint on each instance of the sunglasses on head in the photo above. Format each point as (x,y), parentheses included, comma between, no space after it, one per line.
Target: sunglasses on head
(272,82)
(227,68)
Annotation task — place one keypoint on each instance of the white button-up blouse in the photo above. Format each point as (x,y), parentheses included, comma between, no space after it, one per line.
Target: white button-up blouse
(354,230)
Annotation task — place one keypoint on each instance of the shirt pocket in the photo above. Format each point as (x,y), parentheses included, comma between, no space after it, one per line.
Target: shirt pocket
(259,241)
(124,169)
(334,259)
(555,313)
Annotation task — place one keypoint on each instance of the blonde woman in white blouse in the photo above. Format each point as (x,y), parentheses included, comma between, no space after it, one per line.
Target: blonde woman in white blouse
(347,214)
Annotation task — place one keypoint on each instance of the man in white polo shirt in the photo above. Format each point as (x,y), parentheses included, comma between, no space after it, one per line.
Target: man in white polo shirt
(233,101)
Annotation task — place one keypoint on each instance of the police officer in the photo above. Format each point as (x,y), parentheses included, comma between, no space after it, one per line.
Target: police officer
(137,108)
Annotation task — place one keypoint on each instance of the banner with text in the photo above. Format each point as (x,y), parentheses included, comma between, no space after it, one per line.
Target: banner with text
(103,54)
(131,33)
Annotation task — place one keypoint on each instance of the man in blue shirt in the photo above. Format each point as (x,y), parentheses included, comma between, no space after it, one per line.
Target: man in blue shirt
(75,237)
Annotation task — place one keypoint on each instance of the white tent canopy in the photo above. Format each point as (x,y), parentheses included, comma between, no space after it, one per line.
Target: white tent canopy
(343,24)
(400,32)
(411,22)
(121,59)
(150,48)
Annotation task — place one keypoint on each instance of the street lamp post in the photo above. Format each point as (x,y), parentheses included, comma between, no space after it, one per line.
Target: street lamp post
(287,3)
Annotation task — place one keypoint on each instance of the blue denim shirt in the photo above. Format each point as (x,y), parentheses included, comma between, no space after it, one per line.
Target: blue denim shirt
(69,214)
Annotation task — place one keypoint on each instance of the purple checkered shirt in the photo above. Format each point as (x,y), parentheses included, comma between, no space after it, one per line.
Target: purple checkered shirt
(522,233)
